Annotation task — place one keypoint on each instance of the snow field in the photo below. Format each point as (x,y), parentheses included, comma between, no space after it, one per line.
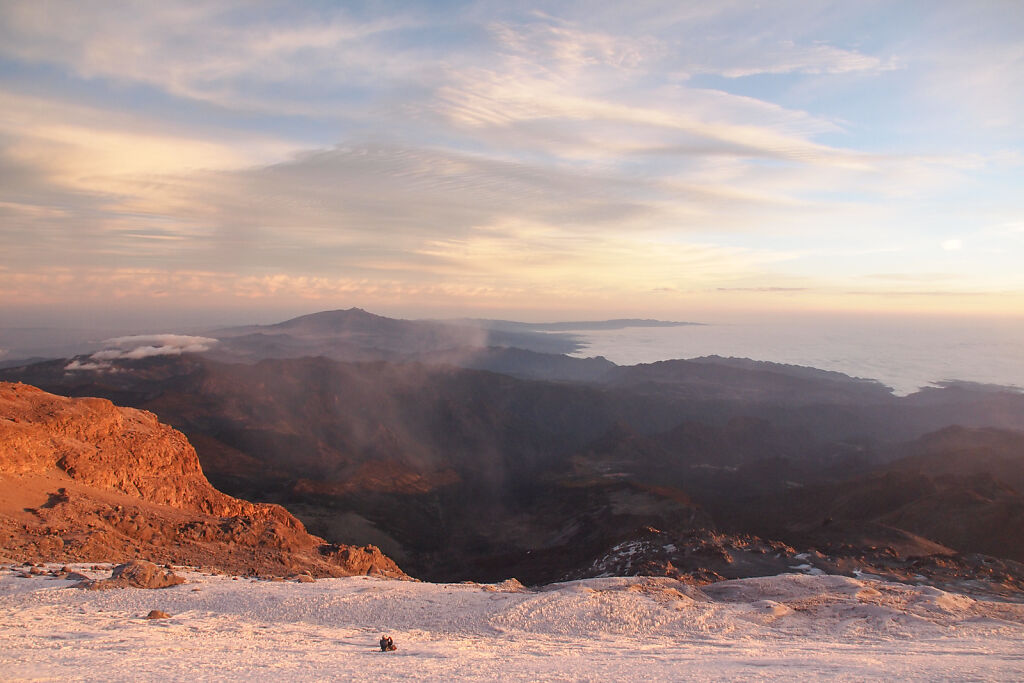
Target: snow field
(775,628)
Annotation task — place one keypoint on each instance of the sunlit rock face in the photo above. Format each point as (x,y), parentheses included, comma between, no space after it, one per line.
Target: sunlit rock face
(87,480)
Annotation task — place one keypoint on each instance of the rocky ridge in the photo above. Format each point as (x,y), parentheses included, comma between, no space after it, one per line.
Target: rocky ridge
(83,480)
(703,556)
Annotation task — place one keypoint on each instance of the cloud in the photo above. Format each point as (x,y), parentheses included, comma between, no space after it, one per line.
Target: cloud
(141,346)
(762,289)
(384,221)
(87,148)
(1011,228)
(952,245)
(210,52)
(566,50)
(148,345)
(912,277)
(788,57)
(922,293)
(539,72)
(508,100)
(136,347)
(85,366)
(974,69)
(331,151)
(505,260)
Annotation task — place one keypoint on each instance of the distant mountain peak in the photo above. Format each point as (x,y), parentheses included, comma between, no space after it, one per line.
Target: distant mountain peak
(335,315)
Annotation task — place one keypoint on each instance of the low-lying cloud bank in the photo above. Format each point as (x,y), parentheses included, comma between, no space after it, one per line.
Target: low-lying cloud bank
(142,346)
(146,345)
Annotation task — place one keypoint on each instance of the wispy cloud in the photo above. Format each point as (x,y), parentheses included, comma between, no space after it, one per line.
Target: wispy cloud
(763,289)
(215,52)
(913,293)
(783,57)
(912,277)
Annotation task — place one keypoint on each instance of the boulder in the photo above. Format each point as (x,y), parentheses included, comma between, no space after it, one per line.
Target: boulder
(136,574)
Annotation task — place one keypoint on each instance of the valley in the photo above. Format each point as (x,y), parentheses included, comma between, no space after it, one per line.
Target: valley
(461,466)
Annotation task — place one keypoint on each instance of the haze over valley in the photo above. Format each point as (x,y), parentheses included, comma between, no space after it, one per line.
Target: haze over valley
(473,453)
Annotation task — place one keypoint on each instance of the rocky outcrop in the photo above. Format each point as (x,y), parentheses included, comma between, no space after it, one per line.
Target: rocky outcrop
(365,560)
(111,484)
(106,447)
(136,574)
(702,556)
(695,556)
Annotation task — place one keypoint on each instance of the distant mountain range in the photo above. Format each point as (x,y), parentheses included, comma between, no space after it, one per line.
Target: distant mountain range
(617,324)
(464,455)
(355,335)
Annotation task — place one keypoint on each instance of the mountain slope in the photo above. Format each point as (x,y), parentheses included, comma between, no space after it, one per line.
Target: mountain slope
(464,461)
(82,479)
(356,335)
(956,487)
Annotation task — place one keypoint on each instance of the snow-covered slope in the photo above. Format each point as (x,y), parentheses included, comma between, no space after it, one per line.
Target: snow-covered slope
(777,628)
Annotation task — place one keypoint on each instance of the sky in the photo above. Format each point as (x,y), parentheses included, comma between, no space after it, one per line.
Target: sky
(535,161)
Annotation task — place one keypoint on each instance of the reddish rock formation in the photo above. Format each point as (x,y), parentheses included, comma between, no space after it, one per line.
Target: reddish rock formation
(135,574)
(84,480)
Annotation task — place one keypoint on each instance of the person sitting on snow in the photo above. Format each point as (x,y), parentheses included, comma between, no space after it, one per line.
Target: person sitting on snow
(387,644)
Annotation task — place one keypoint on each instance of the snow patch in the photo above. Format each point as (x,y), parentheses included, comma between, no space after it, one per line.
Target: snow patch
(770,628)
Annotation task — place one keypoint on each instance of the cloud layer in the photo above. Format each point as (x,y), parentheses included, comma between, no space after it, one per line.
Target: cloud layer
(136,347)
(650,156)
